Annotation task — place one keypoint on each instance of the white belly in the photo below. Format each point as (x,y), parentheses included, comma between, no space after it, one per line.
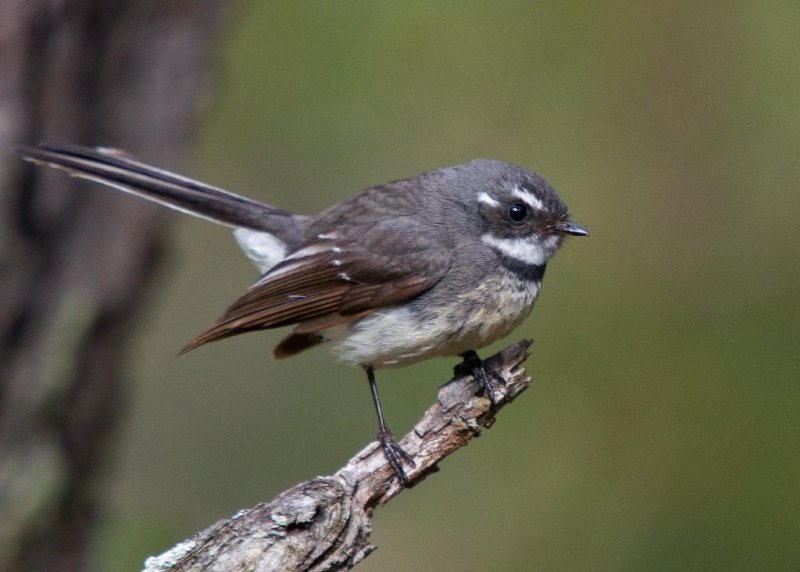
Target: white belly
(401,335)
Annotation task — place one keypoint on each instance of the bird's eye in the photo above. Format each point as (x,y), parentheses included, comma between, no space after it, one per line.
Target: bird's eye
(518,212)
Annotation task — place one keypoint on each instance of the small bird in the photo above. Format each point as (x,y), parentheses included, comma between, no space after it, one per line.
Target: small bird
(441,264)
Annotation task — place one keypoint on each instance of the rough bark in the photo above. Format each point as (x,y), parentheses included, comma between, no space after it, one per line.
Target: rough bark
(324,523)
(74,263)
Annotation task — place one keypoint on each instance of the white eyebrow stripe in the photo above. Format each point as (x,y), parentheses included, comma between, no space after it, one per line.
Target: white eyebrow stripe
(485,198)
(528,198)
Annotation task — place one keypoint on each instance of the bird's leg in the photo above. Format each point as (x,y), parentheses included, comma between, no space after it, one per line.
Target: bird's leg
(393,452)
(483,374)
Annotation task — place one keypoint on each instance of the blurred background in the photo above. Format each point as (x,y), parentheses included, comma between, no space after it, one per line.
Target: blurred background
(662,429)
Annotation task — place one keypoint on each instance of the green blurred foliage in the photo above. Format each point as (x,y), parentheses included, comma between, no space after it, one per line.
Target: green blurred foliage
(662,431)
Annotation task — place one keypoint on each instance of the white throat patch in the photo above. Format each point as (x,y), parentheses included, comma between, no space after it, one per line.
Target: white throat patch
(527,249)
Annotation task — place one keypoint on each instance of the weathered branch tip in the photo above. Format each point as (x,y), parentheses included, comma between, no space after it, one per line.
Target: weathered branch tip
(324,523)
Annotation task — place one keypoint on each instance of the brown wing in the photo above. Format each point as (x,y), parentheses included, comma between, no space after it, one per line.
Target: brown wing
(329,282)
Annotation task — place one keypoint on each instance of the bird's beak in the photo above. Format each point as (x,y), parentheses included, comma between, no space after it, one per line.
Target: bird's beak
(571,228)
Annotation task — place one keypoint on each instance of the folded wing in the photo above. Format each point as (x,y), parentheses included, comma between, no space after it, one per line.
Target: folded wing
(331,281)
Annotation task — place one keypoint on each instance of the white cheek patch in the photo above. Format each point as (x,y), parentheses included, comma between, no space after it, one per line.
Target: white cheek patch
(262,248)
(527,249)
(528,198)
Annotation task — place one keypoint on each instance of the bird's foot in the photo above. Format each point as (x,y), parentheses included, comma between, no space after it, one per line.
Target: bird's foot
(395,455)
(483,374)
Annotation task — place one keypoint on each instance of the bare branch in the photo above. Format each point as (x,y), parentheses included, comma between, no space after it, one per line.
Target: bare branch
(324,523)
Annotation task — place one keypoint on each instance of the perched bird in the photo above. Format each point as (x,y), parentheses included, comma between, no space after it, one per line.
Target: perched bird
(440,264)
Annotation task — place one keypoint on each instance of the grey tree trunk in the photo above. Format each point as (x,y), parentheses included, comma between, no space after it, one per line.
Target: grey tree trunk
(75,265)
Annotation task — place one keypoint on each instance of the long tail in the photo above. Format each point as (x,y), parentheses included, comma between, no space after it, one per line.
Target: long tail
(113,168)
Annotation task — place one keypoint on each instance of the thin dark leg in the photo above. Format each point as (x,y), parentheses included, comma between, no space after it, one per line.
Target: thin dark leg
(473,365)
(394,454)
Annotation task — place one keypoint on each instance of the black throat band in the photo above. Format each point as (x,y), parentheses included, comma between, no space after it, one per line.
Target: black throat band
(524,270)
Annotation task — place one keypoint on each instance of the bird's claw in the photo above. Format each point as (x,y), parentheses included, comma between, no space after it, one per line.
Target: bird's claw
(483,374)
(395,455)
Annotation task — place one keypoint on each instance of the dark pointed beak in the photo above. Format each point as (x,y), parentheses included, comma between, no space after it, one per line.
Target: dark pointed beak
(571,229)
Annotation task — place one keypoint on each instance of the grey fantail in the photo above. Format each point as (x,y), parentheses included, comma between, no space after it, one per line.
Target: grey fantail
(440,264)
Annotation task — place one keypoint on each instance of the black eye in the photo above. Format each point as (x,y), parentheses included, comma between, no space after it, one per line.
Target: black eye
(518,212)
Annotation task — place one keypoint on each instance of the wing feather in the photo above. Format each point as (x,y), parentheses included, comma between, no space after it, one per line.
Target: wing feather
(339,281)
